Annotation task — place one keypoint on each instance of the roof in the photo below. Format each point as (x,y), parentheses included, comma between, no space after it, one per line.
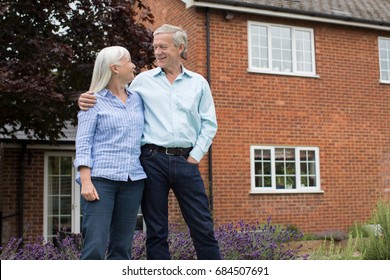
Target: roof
(373,13)
(70,136)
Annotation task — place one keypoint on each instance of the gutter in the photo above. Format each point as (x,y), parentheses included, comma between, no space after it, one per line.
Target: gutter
(210,158)
(21,190)
(258,9)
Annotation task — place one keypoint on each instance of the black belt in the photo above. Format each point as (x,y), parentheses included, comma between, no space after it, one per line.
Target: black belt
(176,151)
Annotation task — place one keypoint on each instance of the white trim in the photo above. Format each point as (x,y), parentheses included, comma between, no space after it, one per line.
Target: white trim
(273,190)
(190,3)
(285,192)
(75,208)
(269,70)
(379,60)
(69,147)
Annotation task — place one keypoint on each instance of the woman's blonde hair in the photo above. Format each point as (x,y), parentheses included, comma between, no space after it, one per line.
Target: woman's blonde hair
(101,71)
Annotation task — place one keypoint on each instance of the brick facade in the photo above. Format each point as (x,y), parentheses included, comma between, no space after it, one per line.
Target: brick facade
(32,196)
(344,111)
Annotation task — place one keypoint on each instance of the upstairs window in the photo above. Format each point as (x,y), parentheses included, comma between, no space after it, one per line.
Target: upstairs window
(284,169)
(281,49)
(384,59)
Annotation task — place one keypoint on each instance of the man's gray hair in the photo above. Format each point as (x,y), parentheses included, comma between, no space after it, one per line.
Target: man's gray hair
(179,36)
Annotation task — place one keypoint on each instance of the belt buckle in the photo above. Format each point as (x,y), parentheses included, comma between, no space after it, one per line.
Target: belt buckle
(167,153)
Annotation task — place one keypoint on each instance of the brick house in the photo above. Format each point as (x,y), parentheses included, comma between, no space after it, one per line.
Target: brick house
(302,92)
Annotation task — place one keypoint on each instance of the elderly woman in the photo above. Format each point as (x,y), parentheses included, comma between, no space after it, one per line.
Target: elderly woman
(107,159)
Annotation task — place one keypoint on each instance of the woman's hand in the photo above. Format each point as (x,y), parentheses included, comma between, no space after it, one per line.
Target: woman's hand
(88,190)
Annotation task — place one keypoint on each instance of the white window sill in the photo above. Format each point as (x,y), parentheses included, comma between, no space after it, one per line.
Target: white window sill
(310,75)
(285,191)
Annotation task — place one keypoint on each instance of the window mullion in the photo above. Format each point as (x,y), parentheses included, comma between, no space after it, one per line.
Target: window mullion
(293,51)
(273,172)
(298,167)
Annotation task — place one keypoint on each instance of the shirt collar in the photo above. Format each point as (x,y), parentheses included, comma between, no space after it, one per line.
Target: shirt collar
(158,71)
(105,91)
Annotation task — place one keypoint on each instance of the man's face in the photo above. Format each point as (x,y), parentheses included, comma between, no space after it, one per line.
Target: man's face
(166,53)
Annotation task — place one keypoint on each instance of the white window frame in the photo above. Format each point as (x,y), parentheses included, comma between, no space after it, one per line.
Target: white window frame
(384,59)
(75,207)
(299,187)
(268,69)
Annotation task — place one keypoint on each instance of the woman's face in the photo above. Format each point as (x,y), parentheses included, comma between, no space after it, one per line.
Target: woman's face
(125,69)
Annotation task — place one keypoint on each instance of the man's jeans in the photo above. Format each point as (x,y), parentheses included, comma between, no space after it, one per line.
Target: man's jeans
(165,172)
(112,219)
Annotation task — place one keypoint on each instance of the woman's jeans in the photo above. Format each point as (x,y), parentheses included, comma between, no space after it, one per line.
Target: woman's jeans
(108,224)
(167,172)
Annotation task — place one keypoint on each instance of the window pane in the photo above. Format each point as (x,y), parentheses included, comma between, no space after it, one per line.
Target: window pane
(66,205)
(276,55)
(280,184)
(385,75)
(259,182)
(312,168)
(267,181)
(384,58)
(290,168)
(308,168)
(53,223)
(66,185)
(53,185)
(59,199)
(54,166)
(259,46)
(267,168)
(312,181)
(66,165)
(303,168)
(255,52)
(311,155)
(281,49)
(259,168)
(65,224)
(304,181)
(272,48)
(283,167)
(279,168)
(55,205)
(303,51)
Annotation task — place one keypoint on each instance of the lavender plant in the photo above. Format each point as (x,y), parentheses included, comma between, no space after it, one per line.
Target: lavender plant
(19,249)
(241,241)
(258,242)
(237,242)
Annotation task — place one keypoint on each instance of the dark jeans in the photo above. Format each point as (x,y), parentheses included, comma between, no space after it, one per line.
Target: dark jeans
(174,172)
(111,219)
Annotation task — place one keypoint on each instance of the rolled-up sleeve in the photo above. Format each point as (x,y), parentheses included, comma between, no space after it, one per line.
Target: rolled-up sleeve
(85,134)
(209,124)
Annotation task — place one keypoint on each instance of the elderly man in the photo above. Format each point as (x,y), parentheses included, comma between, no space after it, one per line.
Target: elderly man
(180,124)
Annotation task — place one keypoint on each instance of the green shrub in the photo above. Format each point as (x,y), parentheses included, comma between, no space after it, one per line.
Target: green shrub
(330,251)
(377,244)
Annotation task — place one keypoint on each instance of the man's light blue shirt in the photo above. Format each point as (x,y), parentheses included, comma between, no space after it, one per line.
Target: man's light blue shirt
(181,114)
(109,137)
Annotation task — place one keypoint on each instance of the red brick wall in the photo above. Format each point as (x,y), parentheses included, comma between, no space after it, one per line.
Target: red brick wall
(33,193)
(345,112)
(194,25)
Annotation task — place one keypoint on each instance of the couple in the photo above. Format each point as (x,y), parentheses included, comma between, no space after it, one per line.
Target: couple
(165,121)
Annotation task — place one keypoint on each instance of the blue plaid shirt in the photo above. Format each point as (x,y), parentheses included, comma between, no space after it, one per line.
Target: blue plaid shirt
(109,137)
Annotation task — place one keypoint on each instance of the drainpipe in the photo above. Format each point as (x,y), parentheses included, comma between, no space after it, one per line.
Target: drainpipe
(21,189)
(210,158)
